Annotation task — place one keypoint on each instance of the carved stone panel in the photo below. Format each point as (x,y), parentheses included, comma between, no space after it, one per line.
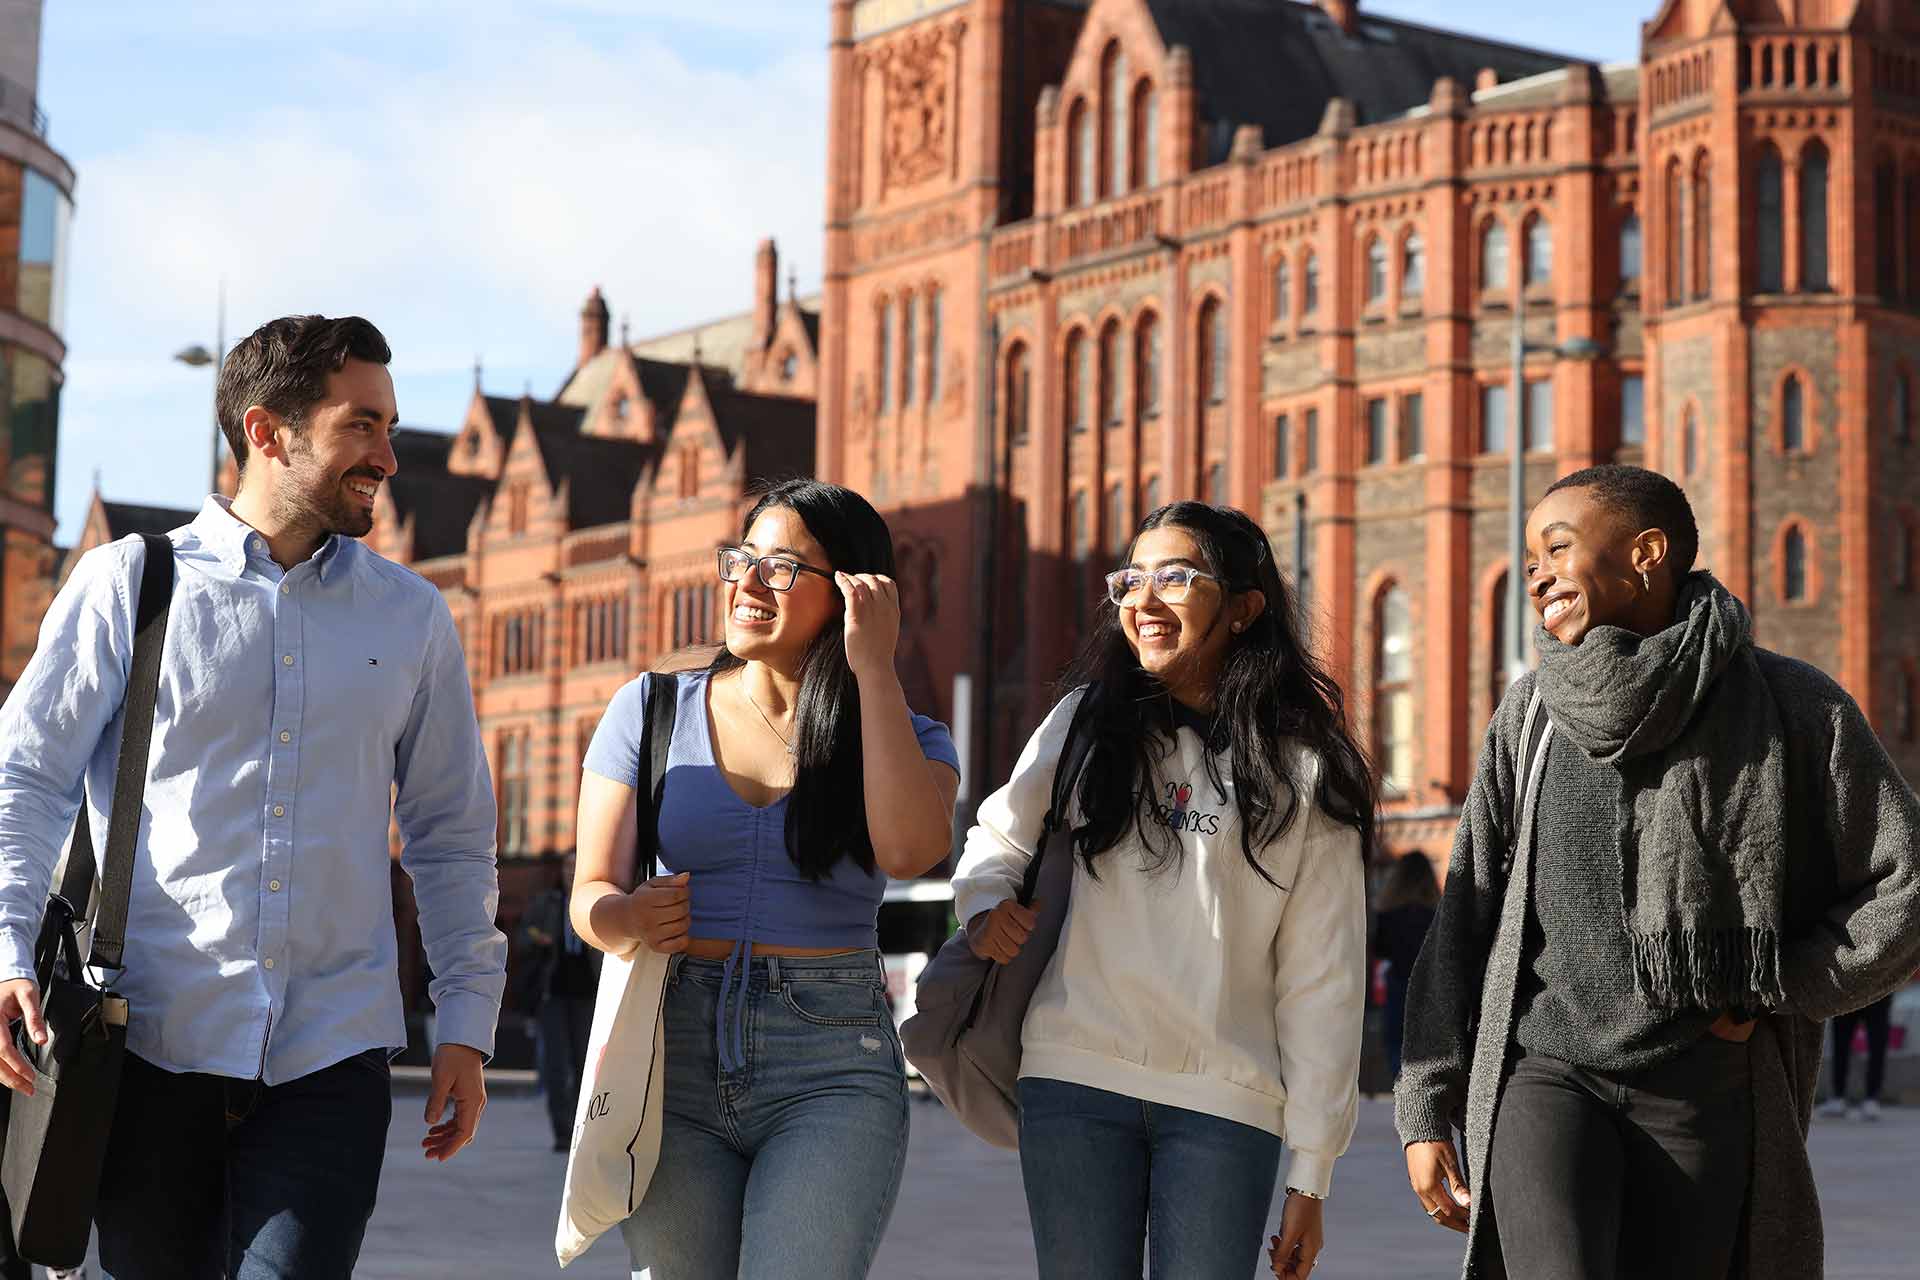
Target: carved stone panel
(917,133)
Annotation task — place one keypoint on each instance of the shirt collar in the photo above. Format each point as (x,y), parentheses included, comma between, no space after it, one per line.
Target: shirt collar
(228,536)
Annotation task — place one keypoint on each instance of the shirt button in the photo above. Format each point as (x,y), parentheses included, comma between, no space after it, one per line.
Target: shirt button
(286,588)
(253,544)
(285,736)
(268,962)
(287,660)
(279,811)
(274,885)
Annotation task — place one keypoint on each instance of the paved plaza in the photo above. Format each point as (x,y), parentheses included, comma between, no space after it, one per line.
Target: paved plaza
(490,1213)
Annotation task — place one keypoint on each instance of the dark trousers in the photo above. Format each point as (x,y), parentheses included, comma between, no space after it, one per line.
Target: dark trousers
(1394,1019)
(564,1023)
(211,1177)
(1598,1177)
(1878,1018)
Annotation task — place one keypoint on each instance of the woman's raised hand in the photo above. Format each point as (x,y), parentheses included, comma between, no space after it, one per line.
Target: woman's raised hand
(998,935)
(873,620)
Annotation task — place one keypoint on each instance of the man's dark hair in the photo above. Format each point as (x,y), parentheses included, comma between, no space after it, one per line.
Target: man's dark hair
(284,365)
(1649,500)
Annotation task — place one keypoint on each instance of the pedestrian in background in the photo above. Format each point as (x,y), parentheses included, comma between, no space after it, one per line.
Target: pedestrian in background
(1206,999)
(1631,969)
(311,693)
(797,781)
(1403,914)
(1876,1020)
(563,973)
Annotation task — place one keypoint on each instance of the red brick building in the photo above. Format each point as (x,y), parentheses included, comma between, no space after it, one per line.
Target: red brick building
(36,206)
(1085,256)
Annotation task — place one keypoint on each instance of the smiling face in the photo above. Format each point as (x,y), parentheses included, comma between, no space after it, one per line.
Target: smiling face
(1585,563)
(1183,643)
(336,460)
(776,627)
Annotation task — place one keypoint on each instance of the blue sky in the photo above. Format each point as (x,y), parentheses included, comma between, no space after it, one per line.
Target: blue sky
(461,173)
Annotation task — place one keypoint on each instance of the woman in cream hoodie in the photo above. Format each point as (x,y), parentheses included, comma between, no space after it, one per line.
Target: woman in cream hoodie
(1204,1005)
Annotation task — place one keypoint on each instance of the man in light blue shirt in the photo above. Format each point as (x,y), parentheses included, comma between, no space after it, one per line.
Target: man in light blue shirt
(309,691)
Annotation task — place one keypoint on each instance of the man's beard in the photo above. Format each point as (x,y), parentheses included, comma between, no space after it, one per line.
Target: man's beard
(310,498)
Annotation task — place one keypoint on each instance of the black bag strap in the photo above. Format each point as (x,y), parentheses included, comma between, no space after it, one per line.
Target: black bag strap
(1533,735)
(109,938)
(1066,779)
(656,736)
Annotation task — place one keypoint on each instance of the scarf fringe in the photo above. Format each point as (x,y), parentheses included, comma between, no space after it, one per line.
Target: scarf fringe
(1709,969)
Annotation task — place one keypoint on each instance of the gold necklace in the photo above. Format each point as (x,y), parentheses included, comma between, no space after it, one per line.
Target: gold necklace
(764,718)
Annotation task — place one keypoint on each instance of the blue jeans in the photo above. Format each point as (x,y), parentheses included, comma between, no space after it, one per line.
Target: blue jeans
(211,1176)
(785,1167)
(1106,1173)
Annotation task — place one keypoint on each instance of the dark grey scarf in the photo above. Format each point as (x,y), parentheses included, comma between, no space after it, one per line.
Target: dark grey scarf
(1691,724)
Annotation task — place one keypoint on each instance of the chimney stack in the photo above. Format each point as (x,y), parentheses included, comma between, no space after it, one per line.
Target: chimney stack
(766,293)
(593,326)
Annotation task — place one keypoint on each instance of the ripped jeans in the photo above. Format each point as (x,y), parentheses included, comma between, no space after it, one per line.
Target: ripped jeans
(785,1165)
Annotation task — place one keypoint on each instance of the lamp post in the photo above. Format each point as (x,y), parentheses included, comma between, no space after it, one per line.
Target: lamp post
(1575,349)
(199,357)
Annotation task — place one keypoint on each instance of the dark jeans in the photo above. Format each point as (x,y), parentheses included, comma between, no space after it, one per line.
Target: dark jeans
(1642,1175)
(1879,1019)
(1394,1020)
(564,1022)
(1108,1175)
(209,1176)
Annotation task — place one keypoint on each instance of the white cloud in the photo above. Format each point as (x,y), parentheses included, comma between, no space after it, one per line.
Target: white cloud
(466,205)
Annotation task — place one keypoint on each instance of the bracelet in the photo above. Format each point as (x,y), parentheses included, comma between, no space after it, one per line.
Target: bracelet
(1295,1191)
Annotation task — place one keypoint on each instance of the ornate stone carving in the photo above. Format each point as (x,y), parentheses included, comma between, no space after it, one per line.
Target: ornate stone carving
(917,133)
(862,415)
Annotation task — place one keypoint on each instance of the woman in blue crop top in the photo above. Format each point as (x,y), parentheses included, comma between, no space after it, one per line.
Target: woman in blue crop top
(797,782)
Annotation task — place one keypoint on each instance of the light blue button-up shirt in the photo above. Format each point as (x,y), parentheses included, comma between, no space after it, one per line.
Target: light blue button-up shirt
(298,711)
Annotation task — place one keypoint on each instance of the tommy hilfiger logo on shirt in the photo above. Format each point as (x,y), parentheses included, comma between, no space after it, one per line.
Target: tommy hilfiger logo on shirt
(1175,813)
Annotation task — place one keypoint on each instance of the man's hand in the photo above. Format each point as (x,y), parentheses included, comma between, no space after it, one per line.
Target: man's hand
(457,1076)
(19,999)
(1434,1170)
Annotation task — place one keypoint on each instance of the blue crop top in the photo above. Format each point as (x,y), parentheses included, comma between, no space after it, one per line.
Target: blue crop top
(742,884)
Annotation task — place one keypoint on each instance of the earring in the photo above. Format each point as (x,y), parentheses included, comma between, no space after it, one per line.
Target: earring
(1646,582)
(1238,627)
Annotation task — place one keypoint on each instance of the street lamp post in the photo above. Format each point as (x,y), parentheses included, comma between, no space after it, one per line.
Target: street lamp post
(1575,349)
(199,357)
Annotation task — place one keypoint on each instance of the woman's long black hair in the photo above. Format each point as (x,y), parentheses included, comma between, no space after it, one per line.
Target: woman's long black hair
(826,819)
(1270,695)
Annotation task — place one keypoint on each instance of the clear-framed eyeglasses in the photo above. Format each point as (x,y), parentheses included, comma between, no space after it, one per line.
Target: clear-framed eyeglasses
(777,573)
(1170,582)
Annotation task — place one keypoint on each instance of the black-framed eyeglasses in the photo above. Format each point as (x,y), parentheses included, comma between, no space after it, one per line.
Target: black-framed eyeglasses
(777,573)
(1170,582)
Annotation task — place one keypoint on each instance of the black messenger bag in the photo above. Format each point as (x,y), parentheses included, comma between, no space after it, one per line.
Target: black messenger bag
(56,1140)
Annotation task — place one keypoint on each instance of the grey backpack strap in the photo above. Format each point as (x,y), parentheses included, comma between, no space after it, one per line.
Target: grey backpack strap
(1066,779)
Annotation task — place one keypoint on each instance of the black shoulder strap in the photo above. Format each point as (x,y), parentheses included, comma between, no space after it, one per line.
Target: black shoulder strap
(1533,735)
(1066,778)
(656,736)
(109,937)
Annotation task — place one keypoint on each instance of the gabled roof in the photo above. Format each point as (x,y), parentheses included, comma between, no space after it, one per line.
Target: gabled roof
(441,505)
(777,431)
(600,473)
(1277,63)
(125,518)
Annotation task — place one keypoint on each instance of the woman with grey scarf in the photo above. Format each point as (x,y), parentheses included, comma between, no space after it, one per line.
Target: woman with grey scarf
(1619,1005)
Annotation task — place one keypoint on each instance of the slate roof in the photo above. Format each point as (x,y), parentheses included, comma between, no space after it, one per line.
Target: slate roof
(125,518)
(777,431)
(442,506)
(1277,63)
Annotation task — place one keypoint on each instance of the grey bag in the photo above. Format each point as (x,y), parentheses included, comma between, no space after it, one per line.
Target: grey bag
(964,1037)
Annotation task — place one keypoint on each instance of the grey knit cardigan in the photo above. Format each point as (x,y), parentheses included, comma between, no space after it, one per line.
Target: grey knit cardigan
(1851,935)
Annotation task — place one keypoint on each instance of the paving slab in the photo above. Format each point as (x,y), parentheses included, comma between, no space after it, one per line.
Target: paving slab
(962,1213)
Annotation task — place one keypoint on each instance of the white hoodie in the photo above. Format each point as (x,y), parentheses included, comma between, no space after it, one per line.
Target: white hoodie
(1200,985)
